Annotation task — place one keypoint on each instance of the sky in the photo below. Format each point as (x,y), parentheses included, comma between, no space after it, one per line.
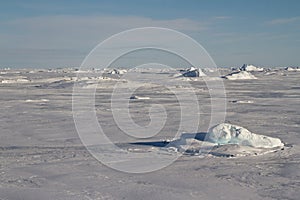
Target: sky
(61,33)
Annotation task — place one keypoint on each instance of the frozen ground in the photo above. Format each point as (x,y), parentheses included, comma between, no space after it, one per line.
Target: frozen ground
(42,157)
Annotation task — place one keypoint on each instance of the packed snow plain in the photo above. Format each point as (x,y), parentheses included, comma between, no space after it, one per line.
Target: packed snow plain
(42,156)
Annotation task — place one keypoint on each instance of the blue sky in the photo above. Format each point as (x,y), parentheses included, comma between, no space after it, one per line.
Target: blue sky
(61,33)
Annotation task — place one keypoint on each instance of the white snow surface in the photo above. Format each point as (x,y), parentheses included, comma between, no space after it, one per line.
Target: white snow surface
(42,156)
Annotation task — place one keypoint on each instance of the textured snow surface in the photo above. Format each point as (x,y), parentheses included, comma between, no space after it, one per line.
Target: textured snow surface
(42,156)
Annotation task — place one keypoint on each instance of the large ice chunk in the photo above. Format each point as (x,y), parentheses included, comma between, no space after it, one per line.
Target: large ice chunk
(193,72)
(232,134)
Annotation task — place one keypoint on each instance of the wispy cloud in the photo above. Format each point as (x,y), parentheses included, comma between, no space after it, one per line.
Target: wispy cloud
(73,33)
(183,24)
(54,31)
(284,20)
(222,17)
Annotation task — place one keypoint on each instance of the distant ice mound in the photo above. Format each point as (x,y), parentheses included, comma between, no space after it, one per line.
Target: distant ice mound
(139,97)
(36,100)
(292,69)
(251,68)
(242,75)
(232,134)
(242,101)
(193,72)
(117,71)
(17,80)
(13,78)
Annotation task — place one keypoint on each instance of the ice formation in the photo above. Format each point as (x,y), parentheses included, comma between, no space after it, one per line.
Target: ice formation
(36,100)
(231,134)
(117,71)
(242,101)
(242,75)
(139,97)
(193,72)
(292,69)
(251,68)
(17,80)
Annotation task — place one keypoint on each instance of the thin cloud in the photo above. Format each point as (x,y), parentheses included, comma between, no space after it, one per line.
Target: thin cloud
(183,24)
(80,30)
(222,17)
(284,21)
(72,33)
